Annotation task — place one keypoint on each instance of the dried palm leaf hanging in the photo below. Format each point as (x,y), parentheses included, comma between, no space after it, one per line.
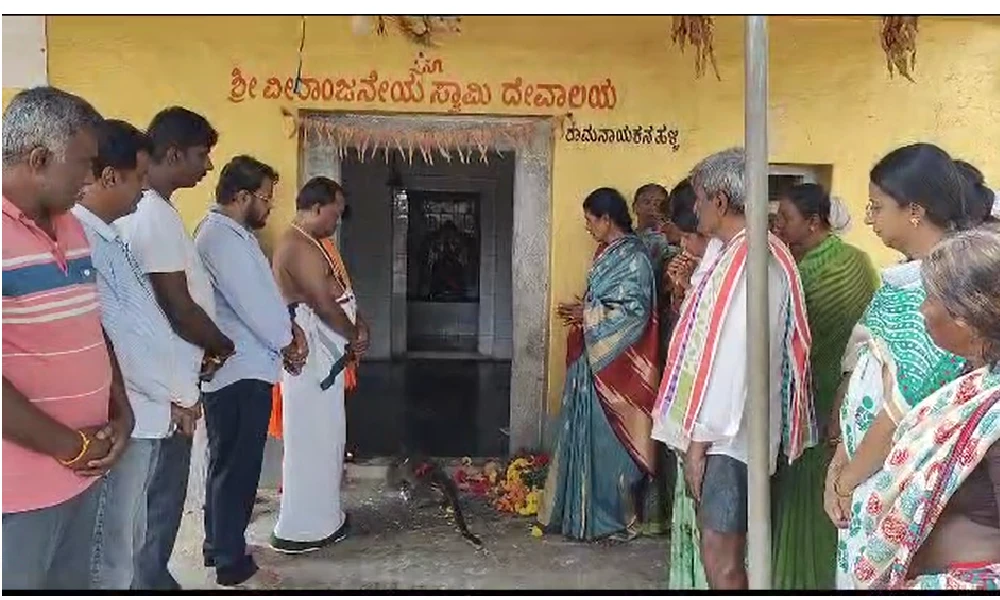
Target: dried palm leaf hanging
(899,41)
(697,31)
(368,136)
(420,29)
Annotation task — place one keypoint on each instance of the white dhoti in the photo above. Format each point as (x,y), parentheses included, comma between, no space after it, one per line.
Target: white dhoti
(315,433)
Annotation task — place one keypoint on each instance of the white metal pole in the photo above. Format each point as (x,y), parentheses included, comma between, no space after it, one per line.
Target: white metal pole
(757,407)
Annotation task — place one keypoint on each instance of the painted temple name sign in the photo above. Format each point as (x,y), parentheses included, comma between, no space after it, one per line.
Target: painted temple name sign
(636,135)
(425,83)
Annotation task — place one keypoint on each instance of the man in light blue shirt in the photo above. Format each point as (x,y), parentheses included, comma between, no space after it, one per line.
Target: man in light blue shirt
(250,311)
(141,336)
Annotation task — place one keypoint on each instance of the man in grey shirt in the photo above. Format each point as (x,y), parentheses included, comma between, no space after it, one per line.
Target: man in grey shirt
(250,311)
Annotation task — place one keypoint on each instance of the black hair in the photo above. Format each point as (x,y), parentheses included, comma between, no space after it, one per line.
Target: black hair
(609,202)
(681,214)
(687,222)
(242,173)
(981,197)
(811,200)
(682,199)
(318,191)
(118,146)
(925,175)
(179,128)
(656,188)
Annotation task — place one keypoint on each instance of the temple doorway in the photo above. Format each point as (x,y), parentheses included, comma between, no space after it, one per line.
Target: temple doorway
(429,250)
(436,249)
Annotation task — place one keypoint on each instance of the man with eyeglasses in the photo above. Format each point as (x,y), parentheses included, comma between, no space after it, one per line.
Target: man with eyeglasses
(237,401)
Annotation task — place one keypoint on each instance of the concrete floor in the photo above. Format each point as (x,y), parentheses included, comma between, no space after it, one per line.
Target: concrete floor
(441,408)
(395,546)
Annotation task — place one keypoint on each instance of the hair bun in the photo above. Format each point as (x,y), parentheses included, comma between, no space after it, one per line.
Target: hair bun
(840,216)
(970,172)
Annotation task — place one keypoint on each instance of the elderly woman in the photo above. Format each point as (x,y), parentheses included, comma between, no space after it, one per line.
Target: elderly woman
(604,448)
(838,281)
(681,227)
(931,518)
(649,204)
(917,196)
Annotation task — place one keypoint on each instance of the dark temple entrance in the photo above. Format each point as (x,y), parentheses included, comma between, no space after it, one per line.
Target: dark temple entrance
(429,251)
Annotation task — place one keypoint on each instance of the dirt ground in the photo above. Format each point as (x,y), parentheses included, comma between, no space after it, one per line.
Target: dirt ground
(396,546)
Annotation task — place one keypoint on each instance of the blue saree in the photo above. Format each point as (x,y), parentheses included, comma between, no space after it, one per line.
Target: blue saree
(612,376)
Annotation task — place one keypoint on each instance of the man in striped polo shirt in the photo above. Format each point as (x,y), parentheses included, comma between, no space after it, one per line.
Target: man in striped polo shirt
(66,419)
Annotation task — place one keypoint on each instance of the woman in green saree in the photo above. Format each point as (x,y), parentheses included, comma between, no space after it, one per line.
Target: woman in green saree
(838,281)
(684,568)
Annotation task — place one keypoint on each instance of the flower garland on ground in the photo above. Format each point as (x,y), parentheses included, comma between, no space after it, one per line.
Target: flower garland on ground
(517,489)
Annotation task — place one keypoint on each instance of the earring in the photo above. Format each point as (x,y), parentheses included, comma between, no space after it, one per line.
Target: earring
(915,221)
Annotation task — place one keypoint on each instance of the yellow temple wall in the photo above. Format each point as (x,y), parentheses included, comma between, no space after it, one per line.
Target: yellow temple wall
(832,101)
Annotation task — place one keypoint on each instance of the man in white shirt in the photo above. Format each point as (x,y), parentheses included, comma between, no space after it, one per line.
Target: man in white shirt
(701,402)
(165,252)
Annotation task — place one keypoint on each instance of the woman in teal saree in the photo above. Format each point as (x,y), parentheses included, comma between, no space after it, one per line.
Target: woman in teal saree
(604,449)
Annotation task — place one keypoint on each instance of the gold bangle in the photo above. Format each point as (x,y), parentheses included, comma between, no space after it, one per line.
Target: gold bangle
(836,489)
(83,451)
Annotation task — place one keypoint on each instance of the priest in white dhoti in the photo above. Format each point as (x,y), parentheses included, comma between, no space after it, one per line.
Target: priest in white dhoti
(314,282)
